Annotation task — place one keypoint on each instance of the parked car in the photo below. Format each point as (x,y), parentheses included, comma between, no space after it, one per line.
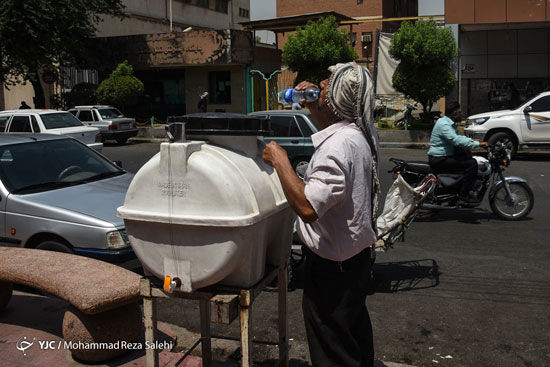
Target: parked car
(50,122)
(292,130)
(58,194)
(527,126)
(111,122)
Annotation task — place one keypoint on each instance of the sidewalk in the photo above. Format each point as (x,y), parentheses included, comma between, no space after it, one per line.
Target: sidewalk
(37,319)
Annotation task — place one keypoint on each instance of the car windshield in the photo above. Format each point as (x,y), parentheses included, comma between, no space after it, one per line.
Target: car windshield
(51,164)
(59,120)
(110,113)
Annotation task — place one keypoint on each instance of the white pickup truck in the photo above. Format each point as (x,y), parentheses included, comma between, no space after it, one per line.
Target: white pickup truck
(527,126)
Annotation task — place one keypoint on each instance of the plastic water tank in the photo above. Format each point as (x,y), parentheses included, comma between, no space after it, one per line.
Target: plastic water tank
(209,210)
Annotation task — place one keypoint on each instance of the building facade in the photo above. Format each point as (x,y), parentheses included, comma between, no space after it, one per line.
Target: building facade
(504,51)
(178,48)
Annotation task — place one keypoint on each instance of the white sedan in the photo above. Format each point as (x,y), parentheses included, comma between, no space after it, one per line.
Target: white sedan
(50,122)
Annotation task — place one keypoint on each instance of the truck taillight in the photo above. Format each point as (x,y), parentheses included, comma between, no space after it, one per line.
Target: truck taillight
(98,138)
(134,124)
(112,127)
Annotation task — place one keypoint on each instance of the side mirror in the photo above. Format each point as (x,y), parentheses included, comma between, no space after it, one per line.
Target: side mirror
(527,109)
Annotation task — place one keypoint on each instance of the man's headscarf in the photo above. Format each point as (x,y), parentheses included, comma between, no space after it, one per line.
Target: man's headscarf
(351,96)
(204,95)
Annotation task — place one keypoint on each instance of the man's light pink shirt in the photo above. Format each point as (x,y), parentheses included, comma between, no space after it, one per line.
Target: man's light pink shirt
(338,187)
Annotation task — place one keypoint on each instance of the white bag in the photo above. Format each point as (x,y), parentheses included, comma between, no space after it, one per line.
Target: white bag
(401,203)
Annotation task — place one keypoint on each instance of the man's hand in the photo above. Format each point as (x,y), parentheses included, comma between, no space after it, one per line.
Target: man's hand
(303,86)
(482,144)
(273,154)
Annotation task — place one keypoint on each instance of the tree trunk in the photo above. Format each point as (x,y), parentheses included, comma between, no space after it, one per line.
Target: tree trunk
(39,98)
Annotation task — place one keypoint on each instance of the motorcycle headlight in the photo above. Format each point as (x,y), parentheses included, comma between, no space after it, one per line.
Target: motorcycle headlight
(116,240)
(479,120)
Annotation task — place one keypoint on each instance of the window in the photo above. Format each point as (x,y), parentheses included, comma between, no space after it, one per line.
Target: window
(280,125)
(59,120)
(244,13)
(20,124)
(85,116)
(110,113)
(366,44)
(306,130)
(541,105)
(219,87)
(353,38)
(34,123)
(3,122)
(221,6)
(203,3)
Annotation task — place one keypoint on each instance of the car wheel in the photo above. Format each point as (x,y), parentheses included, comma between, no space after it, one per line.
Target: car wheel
(300,166)
(121,140)
(56,246)
(504,138)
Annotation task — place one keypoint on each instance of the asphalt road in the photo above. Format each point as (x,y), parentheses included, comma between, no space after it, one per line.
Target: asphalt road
(464,289)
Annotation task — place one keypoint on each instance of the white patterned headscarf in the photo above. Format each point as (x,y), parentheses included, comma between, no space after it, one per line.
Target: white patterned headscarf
(351,96)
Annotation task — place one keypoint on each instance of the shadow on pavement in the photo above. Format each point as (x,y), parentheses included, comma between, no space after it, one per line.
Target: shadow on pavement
(403,276)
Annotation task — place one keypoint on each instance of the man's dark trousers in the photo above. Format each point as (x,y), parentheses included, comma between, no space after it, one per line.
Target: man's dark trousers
(337,321)
(467,167)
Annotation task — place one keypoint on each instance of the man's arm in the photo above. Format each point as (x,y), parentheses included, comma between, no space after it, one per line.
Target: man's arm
(293,186)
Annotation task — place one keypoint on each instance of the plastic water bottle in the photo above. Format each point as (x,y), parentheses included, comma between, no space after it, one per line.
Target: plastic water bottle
(291,95)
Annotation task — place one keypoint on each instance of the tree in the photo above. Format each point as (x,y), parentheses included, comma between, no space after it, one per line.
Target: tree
(40,35)
(316,47)
(425,52)
(120,87)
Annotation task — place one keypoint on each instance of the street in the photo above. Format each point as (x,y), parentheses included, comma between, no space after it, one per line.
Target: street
(463,289)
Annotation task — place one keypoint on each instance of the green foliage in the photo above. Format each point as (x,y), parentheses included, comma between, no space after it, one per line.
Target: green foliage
(120,87)
(36,34)
(316,47)
(425,52)
(123,69)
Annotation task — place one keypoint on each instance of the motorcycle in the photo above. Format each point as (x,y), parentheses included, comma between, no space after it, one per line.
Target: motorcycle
(407,119)
(510,198)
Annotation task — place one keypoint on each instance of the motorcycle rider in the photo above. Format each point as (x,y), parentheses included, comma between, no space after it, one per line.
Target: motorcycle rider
(444,153)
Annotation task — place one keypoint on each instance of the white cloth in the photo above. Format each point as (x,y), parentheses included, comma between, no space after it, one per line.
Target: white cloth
(400,203)
(338,184)
(351,96)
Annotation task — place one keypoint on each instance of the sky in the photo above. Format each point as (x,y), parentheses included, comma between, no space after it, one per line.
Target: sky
(262,9)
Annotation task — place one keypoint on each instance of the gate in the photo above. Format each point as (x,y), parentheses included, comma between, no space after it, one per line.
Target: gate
(265,90)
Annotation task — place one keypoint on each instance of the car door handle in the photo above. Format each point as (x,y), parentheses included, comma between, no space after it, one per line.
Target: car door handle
(294,141)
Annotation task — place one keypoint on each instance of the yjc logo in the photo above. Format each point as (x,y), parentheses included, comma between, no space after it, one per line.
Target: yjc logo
(23,344)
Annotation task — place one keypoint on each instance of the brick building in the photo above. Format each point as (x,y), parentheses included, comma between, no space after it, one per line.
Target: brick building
(504,44)
(367,17)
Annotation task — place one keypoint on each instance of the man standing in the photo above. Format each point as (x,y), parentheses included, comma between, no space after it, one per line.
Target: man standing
(443,156)
(336,205)
(24,106)
(203,102)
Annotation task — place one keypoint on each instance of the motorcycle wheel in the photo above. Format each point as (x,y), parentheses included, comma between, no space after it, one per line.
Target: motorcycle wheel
(514,208)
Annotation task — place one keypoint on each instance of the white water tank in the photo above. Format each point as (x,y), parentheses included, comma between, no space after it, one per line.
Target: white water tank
(209,211)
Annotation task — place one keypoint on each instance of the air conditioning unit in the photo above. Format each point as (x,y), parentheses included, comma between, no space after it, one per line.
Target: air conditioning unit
(366,38)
